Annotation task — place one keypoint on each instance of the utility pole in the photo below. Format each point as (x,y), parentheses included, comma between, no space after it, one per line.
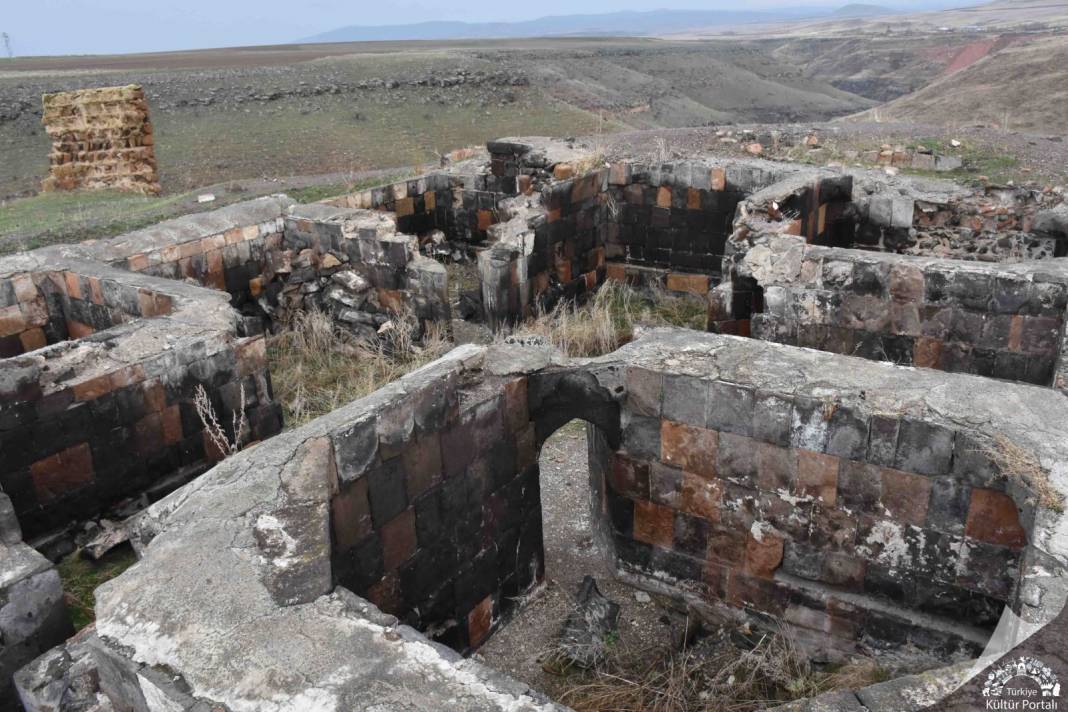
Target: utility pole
(7,44)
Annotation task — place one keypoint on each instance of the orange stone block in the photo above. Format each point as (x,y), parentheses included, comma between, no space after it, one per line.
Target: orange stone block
(33,339)
(485,220)
(689,448)
(719,179)
(663,197)
(654,524)
(78,330)
(905,495)
(73,284)
(96,293)
(563,171)
(693,199)
(696,284)
(817,475)
(994,518)
(617,272)
(764,554)
(12,320)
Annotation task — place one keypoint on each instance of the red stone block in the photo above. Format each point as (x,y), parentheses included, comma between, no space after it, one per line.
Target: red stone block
(57,474)
(927,353)
(78,330)
(480,621)
(994,518)
(92,388)
(171,421)
(906,283)
(386,594)
(422,464)
(817,475)
(33,339)
(616,272)
(776,468)
(629,477)
(398,539)
(701,497)
(905,496)
(689,448)
(654,524)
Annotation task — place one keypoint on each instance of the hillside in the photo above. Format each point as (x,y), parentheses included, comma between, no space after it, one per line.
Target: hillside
(1020,87)
(277,111)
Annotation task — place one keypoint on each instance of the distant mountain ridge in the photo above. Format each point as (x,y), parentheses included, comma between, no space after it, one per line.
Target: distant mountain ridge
(862,10)
(614,23)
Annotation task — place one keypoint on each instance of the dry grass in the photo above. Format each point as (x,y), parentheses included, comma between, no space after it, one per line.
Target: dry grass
(711,676)
(607,321)
(1020,465)
(317,368)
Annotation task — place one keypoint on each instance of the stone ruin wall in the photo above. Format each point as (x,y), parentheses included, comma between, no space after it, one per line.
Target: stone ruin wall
(101,138)
(854,525)
(856,514)
(1002,320)
(109,414)
(851,523)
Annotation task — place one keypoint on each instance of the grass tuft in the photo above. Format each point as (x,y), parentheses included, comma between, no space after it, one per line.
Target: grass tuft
(316,367)
(607,321)
(713,675)
(81,575)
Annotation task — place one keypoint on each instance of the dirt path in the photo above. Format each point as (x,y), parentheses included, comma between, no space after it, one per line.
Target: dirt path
(570,554)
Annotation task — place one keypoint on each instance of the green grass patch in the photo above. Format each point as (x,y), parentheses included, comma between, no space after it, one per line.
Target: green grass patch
(81,575)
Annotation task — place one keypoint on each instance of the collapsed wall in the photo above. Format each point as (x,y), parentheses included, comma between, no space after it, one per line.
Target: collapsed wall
(101,138)
(860,511)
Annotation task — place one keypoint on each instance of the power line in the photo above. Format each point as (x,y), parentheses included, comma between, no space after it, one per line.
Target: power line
(7,44)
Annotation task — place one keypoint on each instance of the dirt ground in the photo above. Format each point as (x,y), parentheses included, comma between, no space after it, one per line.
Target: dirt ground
(570,554)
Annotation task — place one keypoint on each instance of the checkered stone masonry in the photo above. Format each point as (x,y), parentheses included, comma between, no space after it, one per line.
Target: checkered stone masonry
(437,517)
(109,414)
(756,499)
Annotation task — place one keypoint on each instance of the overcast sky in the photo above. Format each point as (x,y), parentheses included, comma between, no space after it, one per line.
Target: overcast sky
(112,26)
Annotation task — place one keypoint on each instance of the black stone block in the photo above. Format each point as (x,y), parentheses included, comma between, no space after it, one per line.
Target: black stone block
(772,416)
(386,491)
(691,535)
